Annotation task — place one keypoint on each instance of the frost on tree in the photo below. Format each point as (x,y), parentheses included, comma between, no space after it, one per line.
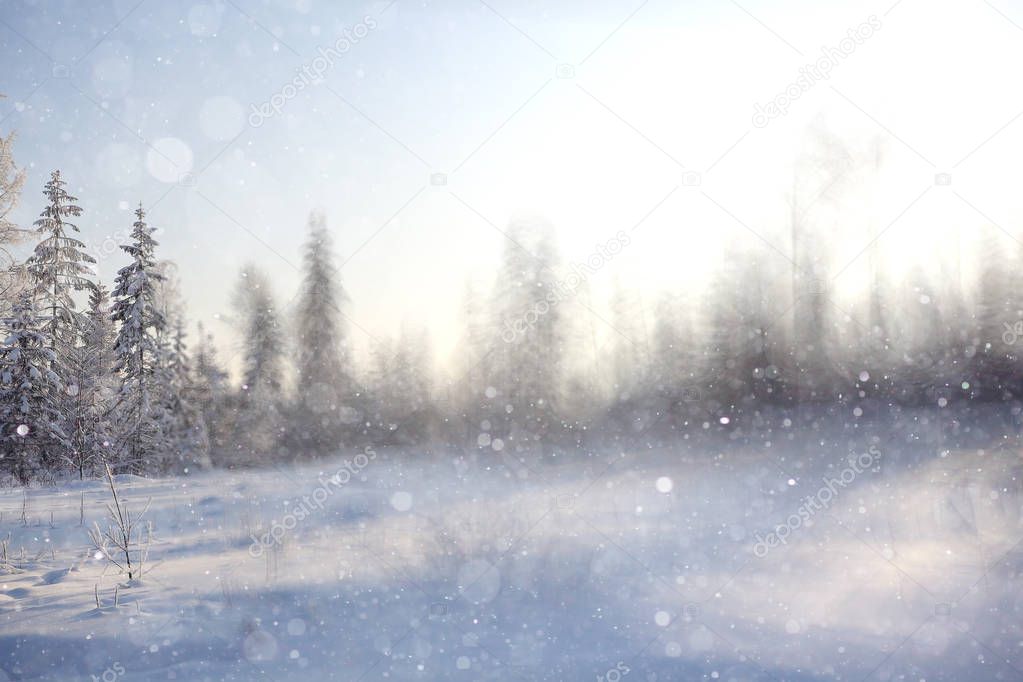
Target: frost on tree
(184,443)
(211,390)
(402,391)
(30,392)
(57,268)
(59,265)
(524,367)
(184,430)
(137,351)
(90,368)
(327,400)
(257,426)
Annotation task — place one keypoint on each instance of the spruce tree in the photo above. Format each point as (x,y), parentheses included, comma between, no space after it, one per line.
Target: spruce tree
(325,395)
(257,427)
(211,389)
(184,432)
(137,351)
(91,370)
(528,358)
(404,410)
(30,396)
(59,266)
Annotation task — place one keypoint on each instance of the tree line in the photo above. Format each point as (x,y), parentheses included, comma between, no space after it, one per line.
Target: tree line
(116,381)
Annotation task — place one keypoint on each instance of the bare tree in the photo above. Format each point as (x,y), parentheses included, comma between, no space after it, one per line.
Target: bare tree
(125,541)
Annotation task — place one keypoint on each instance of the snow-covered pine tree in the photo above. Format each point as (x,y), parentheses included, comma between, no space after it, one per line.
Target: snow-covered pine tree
(404,410)
(30,397)
(91,370)
(257,428)
(526,366)
(59,266)
(211,390)
(186,444)
(326,397)
(137,352)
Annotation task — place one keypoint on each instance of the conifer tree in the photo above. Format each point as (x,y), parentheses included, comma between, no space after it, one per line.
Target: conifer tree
(137,350)
(30,391)
(404,410)
(326,395)
(59,266)
(211,389)
(91,370)
(527,362)
(185,440)
(258,423)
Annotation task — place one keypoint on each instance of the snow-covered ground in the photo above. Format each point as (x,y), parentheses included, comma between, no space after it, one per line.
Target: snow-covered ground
(653,564)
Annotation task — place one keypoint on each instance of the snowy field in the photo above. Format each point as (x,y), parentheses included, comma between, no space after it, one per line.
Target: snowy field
(647,564)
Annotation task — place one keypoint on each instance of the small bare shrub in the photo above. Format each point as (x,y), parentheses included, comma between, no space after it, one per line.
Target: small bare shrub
(125,541)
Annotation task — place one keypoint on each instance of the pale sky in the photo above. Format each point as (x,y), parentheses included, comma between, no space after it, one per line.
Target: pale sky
(596,116)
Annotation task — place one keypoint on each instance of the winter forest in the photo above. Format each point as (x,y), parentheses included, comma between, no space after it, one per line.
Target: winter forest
(112,379)
(510,341)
